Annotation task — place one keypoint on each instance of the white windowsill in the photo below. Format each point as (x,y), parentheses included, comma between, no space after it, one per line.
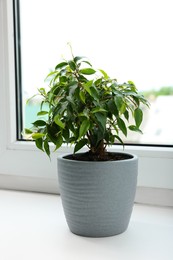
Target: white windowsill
(33,227)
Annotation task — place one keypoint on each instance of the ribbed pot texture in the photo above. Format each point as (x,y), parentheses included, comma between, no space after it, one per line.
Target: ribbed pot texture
(97,197)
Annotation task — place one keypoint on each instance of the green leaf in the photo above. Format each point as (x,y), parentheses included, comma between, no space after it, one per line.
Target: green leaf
(27,131)
(104,74)
(87,86)
(84,128)
(59,122)
(42,104)
(80,144)
(63,79)
(89,83)
(120,104)
(29,99)
(61,65)
(82,96)
(101,119)
(137,100)
(98,81)
(94,93)
(130,93)
(87,71)
(59,142)
(108,136)
(112,108)
(46,147)
(123,108)
(72,65)
(85,113)
(39,143)
(131,82)
(126,115)
(87,62)
(77,58)
(66,134)
(39,123)
(37,135)
(118,101)
(42,113)
(135,129)
(119,139)
(50,96)
(98,109)
(122,126)
(52,73)
(138,115)
(52,131)
(81,78)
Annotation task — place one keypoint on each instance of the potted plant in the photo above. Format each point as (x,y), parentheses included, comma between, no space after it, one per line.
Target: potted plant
(85,107)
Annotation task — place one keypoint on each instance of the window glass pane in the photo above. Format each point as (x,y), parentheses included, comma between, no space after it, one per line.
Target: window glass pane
(131,40)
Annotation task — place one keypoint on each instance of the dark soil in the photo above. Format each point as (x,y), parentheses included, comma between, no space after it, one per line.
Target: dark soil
(108,156)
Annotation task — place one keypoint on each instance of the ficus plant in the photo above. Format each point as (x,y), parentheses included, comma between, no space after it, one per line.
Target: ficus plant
(85,108)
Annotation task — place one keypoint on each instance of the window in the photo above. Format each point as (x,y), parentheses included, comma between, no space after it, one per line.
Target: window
(22,166)
(131,40)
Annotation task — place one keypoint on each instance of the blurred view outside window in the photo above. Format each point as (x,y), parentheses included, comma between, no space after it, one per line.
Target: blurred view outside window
(130,40)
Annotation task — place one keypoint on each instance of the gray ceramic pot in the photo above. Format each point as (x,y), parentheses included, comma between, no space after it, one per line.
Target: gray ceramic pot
(97,197)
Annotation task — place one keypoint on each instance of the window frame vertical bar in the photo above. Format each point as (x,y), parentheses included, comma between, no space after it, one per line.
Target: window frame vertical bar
(18,69)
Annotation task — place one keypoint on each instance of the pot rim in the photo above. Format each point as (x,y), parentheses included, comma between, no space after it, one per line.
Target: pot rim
(61,157)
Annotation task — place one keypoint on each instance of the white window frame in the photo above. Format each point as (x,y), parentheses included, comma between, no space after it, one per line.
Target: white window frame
(23,167)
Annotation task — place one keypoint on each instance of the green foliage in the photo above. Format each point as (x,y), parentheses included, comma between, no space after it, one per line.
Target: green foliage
(86,107)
